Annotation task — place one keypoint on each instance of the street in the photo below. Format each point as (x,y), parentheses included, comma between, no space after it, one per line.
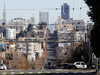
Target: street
(48,72)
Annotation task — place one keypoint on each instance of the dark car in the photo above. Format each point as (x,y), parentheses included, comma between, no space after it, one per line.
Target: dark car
(68,66)
(64,66)
(91,66)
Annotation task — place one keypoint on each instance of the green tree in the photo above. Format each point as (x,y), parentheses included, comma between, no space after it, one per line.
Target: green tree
(94,14)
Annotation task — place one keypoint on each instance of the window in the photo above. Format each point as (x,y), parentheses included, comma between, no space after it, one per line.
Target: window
(82,64)
(77,63)
(18,45)
(19,49)
(29,49)
(29,45)
(23,45)
(23,49)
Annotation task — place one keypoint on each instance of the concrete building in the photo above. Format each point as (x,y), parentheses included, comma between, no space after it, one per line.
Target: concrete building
(77,24)
(33,50)
(36,39)
(65,11)
(19,24)
(32,20)
(18,21)
(64,28)
(10,33)
(59,21)
(44,17)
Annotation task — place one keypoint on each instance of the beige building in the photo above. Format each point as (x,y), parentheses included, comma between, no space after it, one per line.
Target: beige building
(67,27)
(32,50)
(64,28)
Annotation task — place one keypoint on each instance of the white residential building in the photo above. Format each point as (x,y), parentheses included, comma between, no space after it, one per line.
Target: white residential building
(18,24)
(10,33)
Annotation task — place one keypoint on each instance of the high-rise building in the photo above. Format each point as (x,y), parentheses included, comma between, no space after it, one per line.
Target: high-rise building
(65,11)
(4,15)
(44,17)
(32,20)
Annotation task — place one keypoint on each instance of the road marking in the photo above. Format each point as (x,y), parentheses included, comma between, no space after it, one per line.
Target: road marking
(21,72)
(48,72)
(83,72)
(12,72)
(74,72)
(39,72)
(57,72)
(66,72)
(30,72)
(4,73)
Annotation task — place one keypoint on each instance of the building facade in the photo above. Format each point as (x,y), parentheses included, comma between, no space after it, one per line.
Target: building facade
(19,24)
(77,24)
(33,43)
(32,20)
(65,11)
(32,50)
(10,33)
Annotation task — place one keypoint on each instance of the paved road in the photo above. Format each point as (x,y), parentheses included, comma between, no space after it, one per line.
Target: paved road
(51,51)
(48,72)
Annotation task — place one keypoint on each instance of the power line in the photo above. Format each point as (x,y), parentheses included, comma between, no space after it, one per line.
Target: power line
(73,9)
(80,10)
(45,8)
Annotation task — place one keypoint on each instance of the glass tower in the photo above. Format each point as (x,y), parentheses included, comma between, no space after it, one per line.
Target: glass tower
(65,11)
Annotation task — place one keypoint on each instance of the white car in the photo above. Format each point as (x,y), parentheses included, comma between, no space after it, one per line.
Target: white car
(80,64)
(3,67)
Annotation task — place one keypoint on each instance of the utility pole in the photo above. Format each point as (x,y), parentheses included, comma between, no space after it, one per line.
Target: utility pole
(2,42)
(88,43)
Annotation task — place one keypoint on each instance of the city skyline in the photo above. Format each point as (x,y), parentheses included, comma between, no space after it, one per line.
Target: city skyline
(20,10)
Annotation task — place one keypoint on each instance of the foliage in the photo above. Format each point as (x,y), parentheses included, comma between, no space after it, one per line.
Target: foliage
(74,53)
(94,14)
(18,61)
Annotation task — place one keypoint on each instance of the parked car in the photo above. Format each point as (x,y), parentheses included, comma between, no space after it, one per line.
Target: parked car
(91,66)
(79,65)
(68,66)
(3,67)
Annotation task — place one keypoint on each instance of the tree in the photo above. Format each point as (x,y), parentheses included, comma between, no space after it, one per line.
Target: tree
(94,14)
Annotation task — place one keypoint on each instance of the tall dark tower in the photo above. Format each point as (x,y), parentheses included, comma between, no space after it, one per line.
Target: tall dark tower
(4,15)
(65,11)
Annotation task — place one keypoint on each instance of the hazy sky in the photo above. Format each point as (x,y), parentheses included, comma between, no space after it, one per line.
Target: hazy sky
(30,7)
